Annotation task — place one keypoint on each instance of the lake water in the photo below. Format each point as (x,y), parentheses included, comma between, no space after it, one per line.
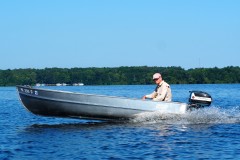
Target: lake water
(209,133)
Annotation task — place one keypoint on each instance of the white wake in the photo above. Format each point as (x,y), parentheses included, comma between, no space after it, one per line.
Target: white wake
(211,115)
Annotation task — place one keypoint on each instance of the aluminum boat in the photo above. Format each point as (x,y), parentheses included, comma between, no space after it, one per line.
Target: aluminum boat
(55,103)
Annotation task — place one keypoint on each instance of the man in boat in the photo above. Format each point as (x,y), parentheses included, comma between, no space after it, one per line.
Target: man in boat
(162,91)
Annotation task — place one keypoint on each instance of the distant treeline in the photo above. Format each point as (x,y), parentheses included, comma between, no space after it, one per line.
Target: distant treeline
(119,75)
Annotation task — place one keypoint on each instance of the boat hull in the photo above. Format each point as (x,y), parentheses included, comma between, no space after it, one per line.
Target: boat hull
(55,103)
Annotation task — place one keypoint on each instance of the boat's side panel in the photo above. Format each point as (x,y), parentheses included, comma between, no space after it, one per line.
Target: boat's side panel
(68,104)
(47,107)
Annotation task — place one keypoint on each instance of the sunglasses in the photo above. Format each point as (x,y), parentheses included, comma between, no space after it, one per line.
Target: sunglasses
(156,79)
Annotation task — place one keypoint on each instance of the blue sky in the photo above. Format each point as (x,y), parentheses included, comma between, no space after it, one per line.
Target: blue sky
(113,33)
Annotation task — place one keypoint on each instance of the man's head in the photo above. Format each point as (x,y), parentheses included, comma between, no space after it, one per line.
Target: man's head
(157,78)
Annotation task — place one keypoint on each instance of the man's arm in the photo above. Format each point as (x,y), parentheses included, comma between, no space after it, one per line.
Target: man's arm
(150,96)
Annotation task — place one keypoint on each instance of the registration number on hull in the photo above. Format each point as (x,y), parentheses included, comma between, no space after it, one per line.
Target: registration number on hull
(29,91)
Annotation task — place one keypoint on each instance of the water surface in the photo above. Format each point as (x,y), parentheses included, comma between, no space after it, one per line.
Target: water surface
(210,133)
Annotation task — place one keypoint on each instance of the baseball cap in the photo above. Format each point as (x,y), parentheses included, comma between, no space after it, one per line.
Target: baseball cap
(156,76)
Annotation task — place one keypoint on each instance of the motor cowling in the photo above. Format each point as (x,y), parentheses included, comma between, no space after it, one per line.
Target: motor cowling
(199,99)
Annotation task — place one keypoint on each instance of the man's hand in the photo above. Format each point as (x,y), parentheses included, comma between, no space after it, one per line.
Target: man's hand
(144,97)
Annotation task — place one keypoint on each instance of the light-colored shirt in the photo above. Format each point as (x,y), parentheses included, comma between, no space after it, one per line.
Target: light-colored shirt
(161,93)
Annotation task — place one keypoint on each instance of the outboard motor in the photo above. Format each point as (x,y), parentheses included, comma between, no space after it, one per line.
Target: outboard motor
(199,99)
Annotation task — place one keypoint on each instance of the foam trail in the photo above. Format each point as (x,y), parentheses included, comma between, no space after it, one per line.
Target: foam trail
(211,115)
